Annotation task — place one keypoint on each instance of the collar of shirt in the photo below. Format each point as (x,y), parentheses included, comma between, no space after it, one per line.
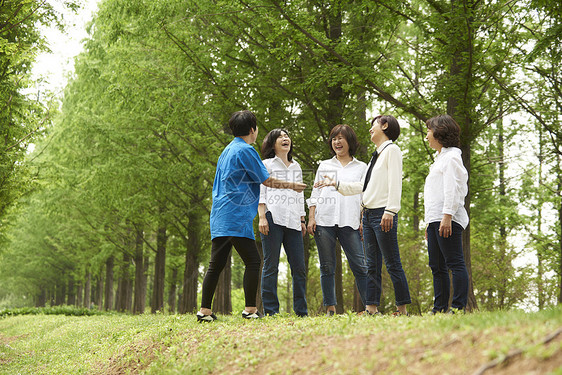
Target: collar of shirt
(277,159)
(383,145)
(446,150)
(334,160)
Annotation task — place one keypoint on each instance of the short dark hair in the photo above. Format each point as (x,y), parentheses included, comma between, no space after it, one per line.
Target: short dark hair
(268,145)
(392,131)
(349,135)
(445,130)
(241,122)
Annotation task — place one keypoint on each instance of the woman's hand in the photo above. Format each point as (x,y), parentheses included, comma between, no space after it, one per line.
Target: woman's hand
(311,226)
(446,226)
(303,229)
(298,187)
(327,181)
(263,225)
(387,222)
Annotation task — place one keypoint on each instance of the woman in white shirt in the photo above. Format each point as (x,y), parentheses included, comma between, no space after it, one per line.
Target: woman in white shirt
(445,188)
(332,216)
(282,222)
(382,190)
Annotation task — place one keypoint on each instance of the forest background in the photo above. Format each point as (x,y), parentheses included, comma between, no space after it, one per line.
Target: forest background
(110,209)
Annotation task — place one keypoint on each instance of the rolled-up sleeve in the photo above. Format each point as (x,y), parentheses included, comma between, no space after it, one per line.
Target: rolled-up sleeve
(350,188)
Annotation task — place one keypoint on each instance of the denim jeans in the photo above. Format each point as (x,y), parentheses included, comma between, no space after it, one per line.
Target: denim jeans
(350,241)
(294,248)
(378,245)
(445,254)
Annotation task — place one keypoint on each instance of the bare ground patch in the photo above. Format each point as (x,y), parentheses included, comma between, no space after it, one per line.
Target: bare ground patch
(131,359)
(547,357)
(5,341)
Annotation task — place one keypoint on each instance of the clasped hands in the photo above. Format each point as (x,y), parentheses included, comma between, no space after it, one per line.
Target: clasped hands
(327,181)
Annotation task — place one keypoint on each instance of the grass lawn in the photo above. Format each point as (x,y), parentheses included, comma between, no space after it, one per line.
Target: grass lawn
(509,342)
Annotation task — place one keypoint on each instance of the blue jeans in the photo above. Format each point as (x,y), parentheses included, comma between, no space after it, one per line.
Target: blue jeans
(445,254)
(350,241)
(378,245)
(294,248)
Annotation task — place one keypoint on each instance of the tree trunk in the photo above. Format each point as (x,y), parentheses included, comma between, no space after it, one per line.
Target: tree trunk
(191,273)
(159,270)
(540,266)
(335,92)
(222,302)
(79,294)
(190,281)
(60,294)
(87,291)
(99,292)
(41,299)
(289,295)
(334,116)
(123,297)
(109,284)
(502,288)
(339,280)
(472,304)
(357,303)
(460,106)
(172,291)
(140,288)
(560,229)
(259,302)
(71,293)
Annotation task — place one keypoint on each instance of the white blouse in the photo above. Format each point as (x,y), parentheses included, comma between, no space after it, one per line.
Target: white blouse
(445,188)
(332,208)
(286,205)
(384,189)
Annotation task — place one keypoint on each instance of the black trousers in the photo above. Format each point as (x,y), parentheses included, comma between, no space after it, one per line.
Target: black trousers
(220,251)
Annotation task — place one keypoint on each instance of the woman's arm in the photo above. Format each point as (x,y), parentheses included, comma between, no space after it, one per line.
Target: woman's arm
(311,220)
(275,183)
(342,187)
(263,225)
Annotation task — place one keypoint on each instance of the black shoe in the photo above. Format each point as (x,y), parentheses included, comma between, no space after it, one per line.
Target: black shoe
(330,313)
(256,315)
(368,313)
(206,318)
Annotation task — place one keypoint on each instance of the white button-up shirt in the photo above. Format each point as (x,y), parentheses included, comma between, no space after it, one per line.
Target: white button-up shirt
(286,205)
(384,189)
(332,208)
(445,188)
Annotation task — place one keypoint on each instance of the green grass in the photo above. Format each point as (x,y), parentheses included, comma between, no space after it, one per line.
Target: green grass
(351,344)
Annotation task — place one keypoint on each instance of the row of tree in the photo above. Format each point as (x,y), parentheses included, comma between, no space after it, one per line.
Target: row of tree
(117,211)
